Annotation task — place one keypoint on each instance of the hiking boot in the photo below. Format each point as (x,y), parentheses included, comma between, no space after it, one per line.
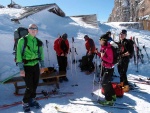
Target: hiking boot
(114,97)
(126,88)
(26,107)
(105,102)
(65,79)
(34,103)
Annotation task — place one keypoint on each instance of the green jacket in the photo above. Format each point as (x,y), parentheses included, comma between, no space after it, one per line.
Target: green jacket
(30,52)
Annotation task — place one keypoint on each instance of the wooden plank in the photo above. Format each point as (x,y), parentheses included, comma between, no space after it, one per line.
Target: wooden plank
(55,75)
(42,76)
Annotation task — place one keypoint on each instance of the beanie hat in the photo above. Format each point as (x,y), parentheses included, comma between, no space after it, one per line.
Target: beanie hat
(124,31)
(104,37)
(86,36)
(108,32)
(64,36)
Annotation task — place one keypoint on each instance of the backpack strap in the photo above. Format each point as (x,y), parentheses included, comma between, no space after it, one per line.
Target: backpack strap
(39,44)
(25,44)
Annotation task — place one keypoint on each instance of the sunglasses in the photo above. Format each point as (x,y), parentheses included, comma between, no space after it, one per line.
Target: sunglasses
(32,28)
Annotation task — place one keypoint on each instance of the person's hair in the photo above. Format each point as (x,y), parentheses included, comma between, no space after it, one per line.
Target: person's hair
(32,25)
(104,37)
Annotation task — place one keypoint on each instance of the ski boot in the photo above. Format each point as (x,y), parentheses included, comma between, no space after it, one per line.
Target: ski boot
(26,107)
(34,103)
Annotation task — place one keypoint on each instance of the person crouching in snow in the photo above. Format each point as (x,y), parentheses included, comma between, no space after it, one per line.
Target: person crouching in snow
(106,54)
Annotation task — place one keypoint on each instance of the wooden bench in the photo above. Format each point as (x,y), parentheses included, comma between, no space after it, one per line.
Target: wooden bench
(54,75)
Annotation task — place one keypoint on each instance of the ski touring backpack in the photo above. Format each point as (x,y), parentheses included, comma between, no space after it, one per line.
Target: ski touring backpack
(117,88)
(116,54)
(19,32)
(131,46)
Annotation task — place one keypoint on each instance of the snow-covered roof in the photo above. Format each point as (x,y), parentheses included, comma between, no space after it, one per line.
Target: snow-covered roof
(29,10)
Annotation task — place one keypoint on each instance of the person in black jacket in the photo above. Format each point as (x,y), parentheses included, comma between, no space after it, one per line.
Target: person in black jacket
(124,60)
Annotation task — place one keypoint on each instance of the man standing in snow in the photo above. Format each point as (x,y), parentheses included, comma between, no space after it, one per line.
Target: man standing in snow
(61,46)
(28,61)
(90,47)
(124,60)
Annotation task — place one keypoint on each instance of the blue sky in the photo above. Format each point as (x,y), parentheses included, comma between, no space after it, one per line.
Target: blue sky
(102,8)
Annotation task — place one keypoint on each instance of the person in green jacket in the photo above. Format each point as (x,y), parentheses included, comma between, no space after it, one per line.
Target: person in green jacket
(28,60)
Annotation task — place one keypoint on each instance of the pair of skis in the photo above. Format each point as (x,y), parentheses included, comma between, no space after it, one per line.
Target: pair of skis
(97,103)
(141,81)
(138,56)
(44,95)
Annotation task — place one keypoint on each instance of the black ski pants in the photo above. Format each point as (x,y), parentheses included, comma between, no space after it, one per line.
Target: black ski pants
(62,62)
(31,79)
(106,83)
(90,62)
(122,69)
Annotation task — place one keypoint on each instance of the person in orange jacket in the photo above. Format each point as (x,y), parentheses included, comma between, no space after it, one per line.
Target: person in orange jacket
(90,47)
(61,46)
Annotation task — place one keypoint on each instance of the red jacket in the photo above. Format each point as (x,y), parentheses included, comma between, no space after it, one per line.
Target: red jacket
(108,56)
(58,46)
(90,45)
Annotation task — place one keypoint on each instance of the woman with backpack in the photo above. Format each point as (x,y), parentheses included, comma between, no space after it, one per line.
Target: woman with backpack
(106,55)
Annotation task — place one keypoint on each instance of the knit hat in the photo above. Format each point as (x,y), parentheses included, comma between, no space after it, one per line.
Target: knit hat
(124,31)
(64,36)
(104,37)
(108,32)
(86,36)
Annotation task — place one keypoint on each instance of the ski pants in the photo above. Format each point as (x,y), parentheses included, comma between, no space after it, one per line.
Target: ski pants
(90,62)
(31,79)
(122,69)
(62,62)
(106,83)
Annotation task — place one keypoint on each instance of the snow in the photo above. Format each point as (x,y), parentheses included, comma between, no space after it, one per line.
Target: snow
(50,27)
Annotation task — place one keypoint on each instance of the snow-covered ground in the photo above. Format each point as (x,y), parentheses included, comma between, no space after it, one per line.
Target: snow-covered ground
(50,27)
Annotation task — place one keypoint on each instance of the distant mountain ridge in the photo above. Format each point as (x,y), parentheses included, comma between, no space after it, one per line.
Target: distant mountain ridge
(130,11)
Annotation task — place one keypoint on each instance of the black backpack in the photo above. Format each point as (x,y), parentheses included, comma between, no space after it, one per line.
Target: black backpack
(116,54)
(19,32)
(131,46)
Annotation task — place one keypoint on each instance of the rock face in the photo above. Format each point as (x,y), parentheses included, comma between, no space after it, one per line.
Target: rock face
(130,11)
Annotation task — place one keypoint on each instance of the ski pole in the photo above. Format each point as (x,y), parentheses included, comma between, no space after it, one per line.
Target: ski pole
(146,53)
(100,80)
(47,51)
(75,60)
(71,60)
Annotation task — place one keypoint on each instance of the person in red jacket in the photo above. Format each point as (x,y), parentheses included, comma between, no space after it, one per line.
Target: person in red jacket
(106,55)
(90,47)
(61,46)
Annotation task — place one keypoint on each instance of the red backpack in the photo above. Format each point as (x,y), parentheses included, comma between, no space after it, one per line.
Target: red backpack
(118,90)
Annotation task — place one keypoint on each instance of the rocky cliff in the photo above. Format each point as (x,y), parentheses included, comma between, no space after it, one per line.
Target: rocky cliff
(130,11)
